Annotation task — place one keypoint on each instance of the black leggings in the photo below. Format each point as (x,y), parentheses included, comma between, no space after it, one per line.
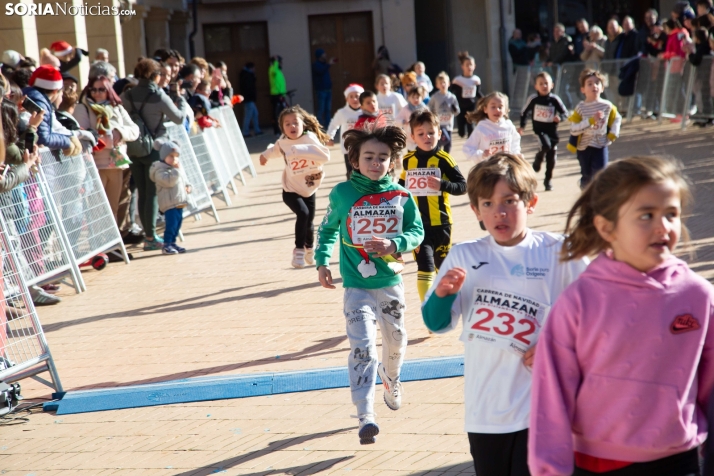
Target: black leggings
(304,208)
(502,454)
(682,464)
(549,151)
(464,126)
(433,249)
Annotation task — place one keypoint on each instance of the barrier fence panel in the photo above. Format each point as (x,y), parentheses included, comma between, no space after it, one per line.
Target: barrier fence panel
(211,164)
(225,145)
(237,140)
(520,88)
(221,158)
(23,348)
(199,199)
(81,204)
(568,87)
(700,84)
(34,233)
(230,161)
(673,89)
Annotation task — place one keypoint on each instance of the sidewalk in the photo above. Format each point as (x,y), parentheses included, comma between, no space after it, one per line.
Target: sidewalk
(233,304)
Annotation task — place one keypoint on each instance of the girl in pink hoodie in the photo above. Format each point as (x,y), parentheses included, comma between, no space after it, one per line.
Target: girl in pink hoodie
(625,362)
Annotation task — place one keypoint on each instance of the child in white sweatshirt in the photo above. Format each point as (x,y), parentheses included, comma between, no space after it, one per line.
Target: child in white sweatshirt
(345,119)
(415,100)
(390,103)
(302,147)
(494,132)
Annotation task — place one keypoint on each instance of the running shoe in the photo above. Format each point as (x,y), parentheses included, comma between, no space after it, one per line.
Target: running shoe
(42,298)
(152,245)
(310,256)
(298,258)
(178,248)
(169,250)
(368,429)
(392,389)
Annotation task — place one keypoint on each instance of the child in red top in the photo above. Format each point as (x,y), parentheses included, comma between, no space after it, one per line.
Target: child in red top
(370,112)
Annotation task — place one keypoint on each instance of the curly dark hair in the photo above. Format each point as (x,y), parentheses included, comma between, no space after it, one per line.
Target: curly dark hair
(147,68)
(393,137)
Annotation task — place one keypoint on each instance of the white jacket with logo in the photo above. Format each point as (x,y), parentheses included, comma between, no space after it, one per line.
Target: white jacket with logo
(303,157)
(500,136)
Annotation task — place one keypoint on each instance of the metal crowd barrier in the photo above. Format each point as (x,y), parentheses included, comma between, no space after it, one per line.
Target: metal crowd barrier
(665,88)
(698,91)
(33,231)
(77,198)
(23,348)
(199,200)
(212,164)
(241,156)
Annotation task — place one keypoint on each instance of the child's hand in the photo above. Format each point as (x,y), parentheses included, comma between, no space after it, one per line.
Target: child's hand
(451,283)
(599,115)
(325,276)
(556,119)
(529,357)
(520,131)
(433,183)
(263,160)
(486,153)
(330,143)
(380,247)
(36,118)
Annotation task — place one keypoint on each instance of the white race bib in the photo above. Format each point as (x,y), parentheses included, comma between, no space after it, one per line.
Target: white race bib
(468,92)
(502,144)
(446,119)
(300,166)
(601,125)
(543,113)
(417,181)
(350,124)
(388,113)
(384,221)
(504,320)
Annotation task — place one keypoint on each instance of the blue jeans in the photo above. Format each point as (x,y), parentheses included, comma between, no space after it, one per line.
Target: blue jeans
(324,106)
(173,218)
(592,160)
(251,115)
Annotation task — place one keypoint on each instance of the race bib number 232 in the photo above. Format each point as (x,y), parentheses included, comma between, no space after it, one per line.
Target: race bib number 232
(505,321)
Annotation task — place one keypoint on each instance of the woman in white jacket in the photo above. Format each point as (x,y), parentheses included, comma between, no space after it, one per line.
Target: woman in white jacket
(100,110)
(302,147)
(494,132)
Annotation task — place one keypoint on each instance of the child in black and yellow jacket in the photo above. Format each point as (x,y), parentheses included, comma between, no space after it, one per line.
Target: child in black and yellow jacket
(432,176)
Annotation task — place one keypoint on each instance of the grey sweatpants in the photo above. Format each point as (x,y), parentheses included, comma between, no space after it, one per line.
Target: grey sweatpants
(363,308)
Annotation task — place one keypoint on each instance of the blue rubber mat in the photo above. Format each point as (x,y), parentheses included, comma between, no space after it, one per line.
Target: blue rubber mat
(202,389)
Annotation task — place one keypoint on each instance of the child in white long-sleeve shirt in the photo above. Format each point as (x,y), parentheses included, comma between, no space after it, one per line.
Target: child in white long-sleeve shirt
(302,147)
(390,103)
(345,119)
(415,98)
(494,132)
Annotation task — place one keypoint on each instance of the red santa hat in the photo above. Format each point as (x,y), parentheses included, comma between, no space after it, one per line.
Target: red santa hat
(46,77)
(61,48)
(354,88)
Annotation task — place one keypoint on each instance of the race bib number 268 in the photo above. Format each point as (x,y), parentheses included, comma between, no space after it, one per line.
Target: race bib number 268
(505,321)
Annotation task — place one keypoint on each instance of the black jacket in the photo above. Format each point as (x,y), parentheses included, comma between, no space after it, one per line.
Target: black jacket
(247,85)
(560,50)
(548,101)
(629,45)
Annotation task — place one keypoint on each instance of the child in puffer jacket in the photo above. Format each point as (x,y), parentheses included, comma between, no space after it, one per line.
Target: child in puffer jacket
(172,191)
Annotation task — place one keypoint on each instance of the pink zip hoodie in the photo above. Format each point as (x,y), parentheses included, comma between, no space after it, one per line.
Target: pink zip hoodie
(624,367)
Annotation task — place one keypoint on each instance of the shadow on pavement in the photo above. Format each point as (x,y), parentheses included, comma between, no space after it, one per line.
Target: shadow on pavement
(272,447)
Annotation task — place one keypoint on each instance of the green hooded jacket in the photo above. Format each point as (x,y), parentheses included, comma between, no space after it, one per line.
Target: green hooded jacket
(359,209)
(277,79)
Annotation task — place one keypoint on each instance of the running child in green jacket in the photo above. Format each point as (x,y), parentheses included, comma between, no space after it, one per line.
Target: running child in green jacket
(374,219)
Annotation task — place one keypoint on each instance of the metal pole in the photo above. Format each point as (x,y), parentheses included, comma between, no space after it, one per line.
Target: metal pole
(504,50)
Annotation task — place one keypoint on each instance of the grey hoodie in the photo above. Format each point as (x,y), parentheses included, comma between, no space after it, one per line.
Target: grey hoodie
(170,185)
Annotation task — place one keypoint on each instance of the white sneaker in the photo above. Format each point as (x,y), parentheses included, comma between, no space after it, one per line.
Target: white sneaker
(310,256)
(392,389)
(298,258)
(368,429)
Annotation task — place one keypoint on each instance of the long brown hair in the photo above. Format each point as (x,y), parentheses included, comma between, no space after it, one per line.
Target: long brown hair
(309,121)
(479,114)
(608,192)
(112,96)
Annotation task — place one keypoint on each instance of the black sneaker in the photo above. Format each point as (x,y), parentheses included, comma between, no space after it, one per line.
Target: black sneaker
(548,187)
(132,239)
(537,162)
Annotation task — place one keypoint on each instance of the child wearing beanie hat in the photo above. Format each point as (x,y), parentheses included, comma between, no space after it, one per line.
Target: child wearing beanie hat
(172,190)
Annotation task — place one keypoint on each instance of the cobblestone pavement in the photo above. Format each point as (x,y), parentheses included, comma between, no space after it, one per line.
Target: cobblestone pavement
(233,304)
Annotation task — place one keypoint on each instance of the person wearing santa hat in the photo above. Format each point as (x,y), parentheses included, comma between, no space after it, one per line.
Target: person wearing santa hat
(45,89)
(345,119)
(68,55)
